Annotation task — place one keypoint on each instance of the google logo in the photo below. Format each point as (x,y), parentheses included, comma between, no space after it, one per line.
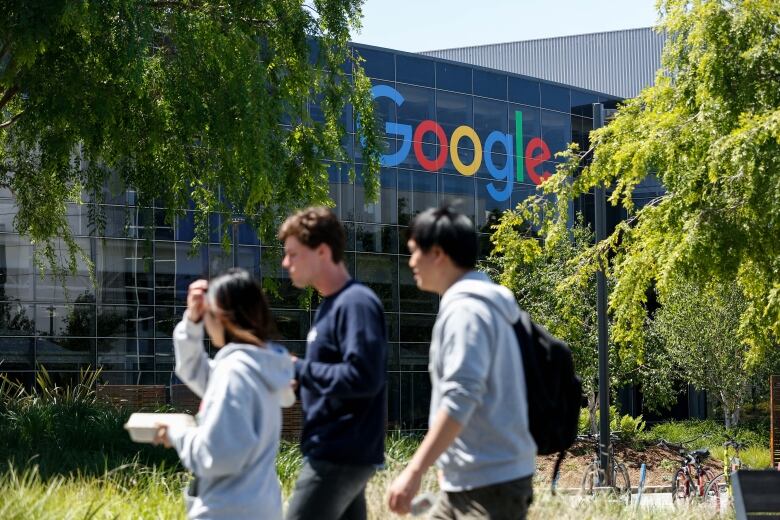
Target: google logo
(536,152)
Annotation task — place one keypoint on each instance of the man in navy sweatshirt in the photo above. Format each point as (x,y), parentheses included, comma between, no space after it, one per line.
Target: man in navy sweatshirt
(342,379)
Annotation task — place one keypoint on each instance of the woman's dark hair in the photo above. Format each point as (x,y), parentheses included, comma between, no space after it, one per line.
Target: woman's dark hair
(241,307)
(448,229)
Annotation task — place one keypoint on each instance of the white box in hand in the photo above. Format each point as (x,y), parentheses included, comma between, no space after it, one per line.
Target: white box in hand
(142,427)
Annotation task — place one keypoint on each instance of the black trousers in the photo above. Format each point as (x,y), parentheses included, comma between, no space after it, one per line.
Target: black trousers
(328,491)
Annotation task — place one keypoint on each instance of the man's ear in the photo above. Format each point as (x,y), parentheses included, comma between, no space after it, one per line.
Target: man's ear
(324,252)
(438,254)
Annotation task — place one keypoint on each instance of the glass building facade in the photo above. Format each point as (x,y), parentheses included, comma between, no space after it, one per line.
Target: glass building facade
(471,137)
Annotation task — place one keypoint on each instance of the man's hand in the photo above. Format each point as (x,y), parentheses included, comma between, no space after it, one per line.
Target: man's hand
(161,437)
(403,489)
(196,300)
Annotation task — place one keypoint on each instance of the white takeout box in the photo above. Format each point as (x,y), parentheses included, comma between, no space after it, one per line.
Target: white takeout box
(142,427)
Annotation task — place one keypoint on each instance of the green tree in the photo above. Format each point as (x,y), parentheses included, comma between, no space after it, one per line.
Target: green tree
(536,282)
(176,99)
(698,330)
(710,131)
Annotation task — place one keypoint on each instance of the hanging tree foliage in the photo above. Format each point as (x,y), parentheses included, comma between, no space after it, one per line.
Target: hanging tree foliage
(175,98)
(710,131)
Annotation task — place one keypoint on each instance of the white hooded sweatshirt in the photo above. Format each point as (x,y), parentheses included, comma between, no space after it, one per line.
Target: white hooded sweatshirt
(232,450)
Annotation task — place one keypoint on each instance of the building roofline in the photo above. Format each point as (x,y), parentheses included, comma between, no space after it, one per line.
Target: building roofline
(579,35)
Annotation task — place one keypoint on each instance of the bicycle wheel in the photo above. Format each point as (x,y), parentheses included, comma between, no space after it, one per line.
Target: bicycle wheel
(681,487)
(716,493)
(622,483)
(590,479)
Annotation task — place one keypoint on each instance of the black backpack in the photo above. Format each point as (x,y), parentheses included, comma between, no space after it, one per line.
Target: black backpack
(554,391)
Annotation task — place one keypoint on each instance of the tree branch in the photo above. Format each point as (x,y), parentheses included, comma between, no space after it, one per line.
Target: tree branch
(10,93)
(11,121)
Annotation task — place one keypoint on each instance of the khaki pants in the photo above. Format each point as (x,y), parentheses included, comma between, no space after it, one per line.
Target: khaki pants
(503,501)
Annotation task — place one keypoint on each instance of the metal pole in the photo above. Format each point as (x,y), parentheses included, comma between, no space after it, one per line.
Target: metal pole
(236,221)
(600,204)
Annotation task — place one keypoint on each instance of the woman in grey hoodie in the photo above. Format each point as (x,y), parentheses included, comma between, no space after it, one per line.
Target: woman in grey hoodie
(232,450)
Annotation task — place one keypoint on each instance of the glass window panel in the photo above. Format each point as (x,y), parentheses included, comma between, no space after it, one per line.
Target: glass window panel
(489,84)
(377,64)
(366,211)
(129,378)
(419,104)
(582,102)
(457,191)
(117,219)
(411,298)
(374,238)
(17,354)
(521,192)
(17,273)
(414,70)
(292,324)
(51,288)
(415,400)
(163,230)
(392,321)
(556,131)
(404,197)
(524,91)
(424,192)
(16,319)
(453,77)
(7,213)
(388,196)
(485,246)
(124,272)
(393,399)
(580,131)
(124,347)
(347,205)
(489,210)
(417,328)
(247,235)
(72,321)
(165,319)
(452,111)
(490,116)
(65,353)
(276,281)
(185,227)
(131,321)
(120,362)
(219,260)
(379,272)
(555,97)
(78,218)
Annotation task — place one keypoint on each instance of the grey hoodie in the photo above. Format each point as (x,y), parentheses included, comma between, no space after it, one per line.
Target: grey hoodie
(477,376)
(232,449)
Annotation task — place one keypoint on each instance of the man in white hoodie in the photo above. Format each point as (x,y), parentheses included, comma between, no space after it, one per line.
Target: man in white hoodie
(478,432)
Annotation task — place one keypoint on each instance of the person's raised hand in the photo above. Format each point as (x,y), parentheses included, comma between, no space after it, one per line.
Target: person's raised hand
(196,300)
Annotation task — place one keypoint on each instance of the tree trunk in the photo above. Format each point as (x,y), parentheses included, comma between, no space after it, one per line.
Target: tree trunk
(592,407)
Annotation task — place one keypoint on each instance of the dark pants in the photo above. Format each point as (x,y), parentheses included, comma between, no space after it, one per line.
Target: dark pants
(503,501)
(328,491)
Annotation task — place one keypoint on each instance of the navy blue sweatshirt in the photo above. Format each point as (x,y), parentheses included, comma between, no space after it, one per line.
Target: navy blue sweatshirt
(343,379)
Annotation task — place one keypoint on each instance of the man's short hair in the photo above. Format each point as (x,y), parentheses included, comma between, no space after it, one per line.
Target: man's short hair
(314,226)
(448,229)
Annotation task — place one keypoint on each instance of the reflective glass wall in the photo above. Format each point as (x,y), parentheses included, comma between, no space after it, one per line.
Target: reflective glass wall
(477,139)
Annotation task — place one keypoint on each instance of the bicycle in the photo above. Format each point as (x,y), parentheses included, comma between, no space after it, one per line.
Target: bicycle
(691,478)
(718,490)
(593,477)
